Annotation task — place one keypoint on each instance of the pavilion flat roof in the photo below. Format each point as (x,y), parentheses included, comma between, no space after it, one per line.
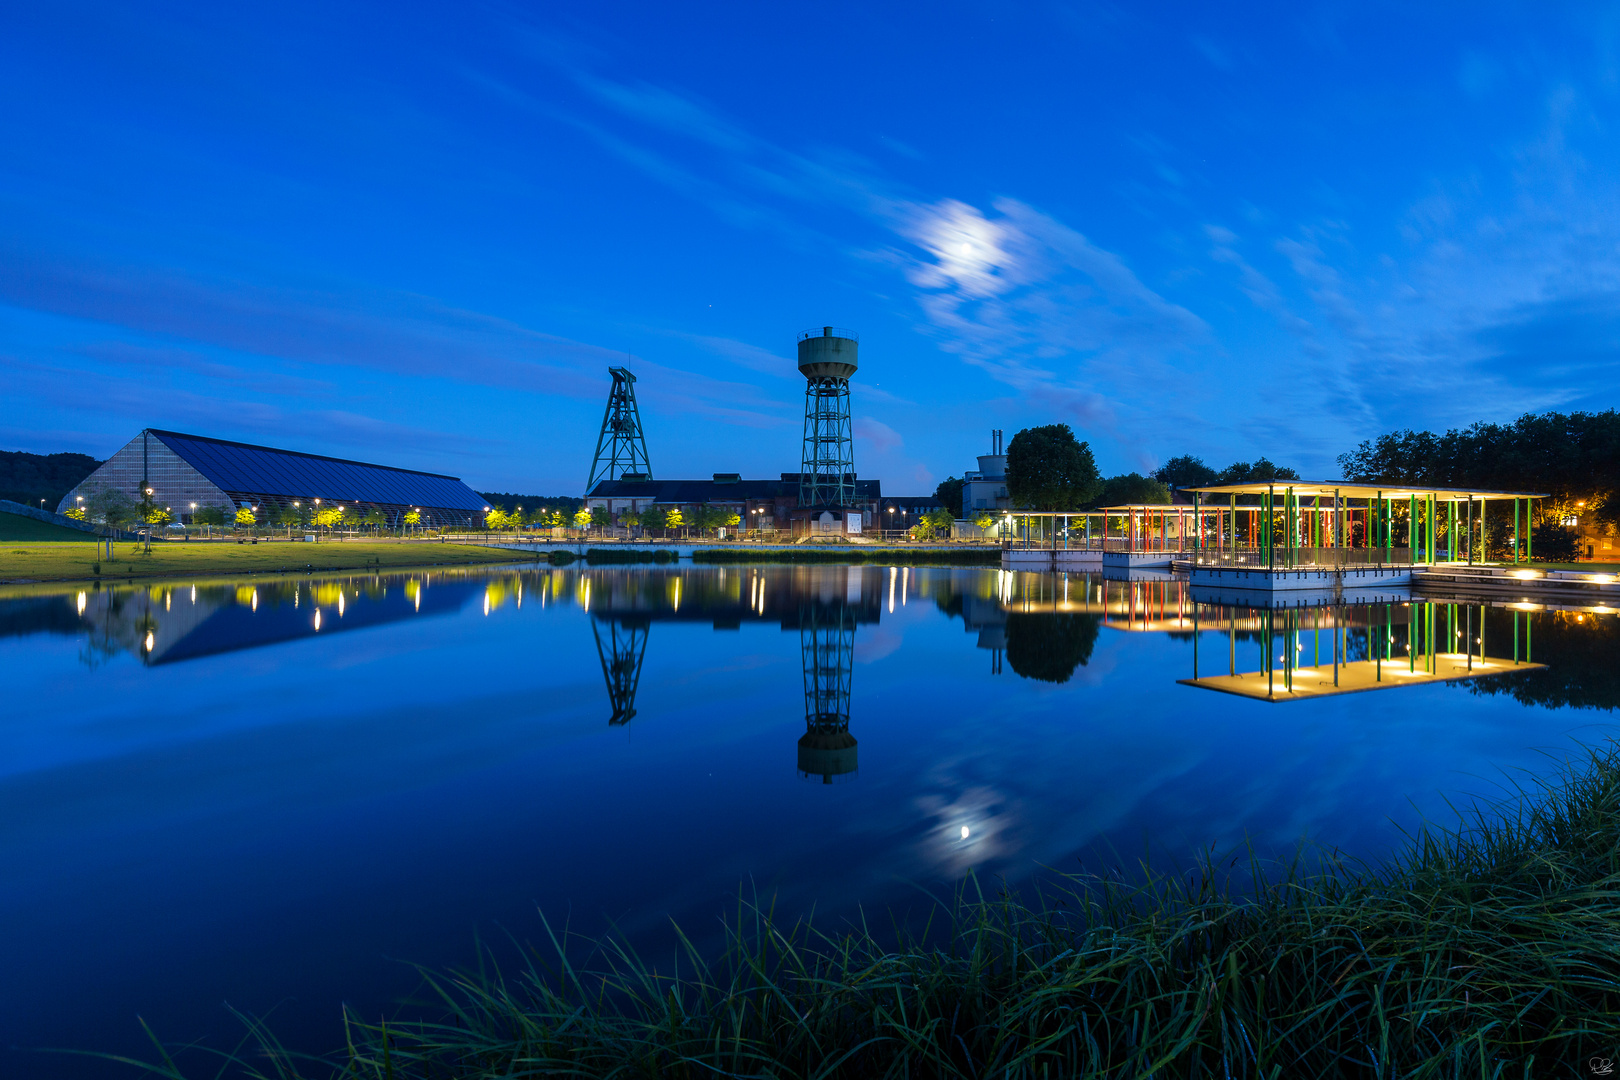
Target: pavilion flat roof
(1364,491)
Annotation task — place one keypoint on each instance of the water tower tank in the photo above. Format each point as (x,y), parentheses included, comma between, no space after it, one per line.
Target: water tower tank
(828,354)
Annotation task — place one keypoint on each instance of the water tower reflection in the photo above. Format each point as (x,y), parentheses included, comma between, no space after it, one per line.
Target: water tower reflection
(823,604)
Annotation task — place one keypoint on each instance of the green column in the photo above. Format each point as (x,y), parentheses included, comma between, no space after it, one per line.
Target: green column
(1288,522)
(1389,529)
(1529,535)
(1265,523)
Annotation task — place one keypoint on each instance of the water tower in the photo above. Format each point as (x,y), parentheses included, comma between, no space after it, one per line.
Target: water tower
(827,474)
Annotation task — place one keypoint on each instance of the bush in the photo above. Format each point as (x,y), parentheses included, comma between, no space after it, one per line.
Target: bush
(1553,542)
(559,557)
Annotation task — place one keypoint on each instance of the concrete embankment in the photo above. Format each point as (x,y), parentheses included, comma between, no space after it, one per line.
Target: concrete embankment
(1527,584)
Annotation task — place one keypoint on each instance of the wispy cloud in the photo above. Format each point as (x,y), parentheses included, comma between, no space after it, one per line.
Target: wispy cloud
(1013,291)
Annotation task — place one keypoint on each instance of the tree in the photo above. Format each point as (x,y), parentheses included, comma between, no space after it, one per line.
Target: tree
(496,519)
(159,516)
(1049,647)
(1047,469)
(1573,456)
(934,523)
(601,517)
(110,505)
(76,513)
(949,494)
(984,521)
(1184,472)
(209,515)
(329,518)
(1262,471)
(582,518)
(1132,489)
(730,518)
(286,515)
(651,518)
(376,518)
(245,518)
(413,518)
(674,519)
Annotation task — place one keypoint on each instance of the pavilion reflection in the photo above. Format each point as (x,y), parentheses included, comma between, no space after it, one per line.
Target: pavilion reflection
(1372,640)
(1367,647)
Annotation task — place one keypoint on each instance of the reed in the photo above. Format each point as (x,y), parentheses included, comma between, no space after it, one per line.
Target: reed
(1488,949)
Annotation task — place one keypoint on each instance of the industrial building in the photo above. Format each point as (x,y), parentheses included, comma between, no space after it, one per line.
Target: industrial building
(763,505)
(986,489)
(186,473)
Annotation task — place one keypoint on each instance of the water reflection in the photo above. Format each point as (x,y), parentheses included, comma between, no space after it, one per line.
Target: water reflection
(1368,646)
(824,605)
(1045,626)
(253,826)
(171,622)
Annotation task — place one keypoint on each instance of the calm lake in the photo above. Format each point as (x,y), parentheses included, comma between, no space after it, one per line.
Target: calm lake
(276,793)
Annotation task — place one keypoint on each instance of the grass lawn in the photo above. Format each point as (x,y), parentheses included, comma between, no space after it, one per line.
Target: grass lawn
(73,561)
(15,527)
(1587,567)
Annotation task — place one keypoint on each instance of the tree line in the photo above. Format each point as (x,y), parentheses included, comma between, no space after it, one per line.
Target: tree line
(1573,457)
(1049,469)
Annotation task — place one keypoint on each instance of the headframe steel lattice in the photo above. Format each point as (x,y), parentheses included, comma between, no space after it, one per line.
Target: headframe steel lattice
(621,448)
(827,358)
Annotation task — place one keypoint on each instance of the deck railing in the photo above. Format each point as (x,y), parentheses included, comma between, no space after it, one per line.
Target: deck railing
(1303,558)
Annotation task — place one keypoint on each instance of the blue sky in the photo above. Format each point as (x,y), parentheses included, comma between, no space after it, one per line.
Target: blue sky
(420,236)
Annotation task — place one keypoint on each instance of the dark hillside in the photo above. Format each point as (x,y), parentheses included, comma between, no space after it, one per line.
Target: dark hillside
(28,478)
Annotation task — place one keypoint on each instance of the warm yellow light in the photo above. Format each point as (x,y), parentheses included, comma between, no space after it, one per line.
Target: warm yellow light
(317,618)
(81,603)
(1525,574)
(149,641)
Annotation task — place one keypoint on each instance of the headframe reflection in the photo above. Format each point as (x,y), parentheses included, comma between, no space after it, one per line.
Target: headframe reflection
(824,604)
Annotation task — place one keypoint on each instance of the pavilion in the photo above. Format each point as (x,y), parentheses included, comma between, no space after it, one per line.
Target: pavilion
(1378,531)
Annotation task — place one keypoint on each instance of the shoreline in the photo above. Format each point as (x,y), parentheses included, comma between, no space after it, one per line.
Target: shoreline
(63,562)
(1481,948)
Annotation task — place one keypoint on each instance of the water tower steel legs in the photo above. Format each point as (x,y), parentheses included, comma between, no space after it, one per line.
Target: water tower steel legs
(828,465)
